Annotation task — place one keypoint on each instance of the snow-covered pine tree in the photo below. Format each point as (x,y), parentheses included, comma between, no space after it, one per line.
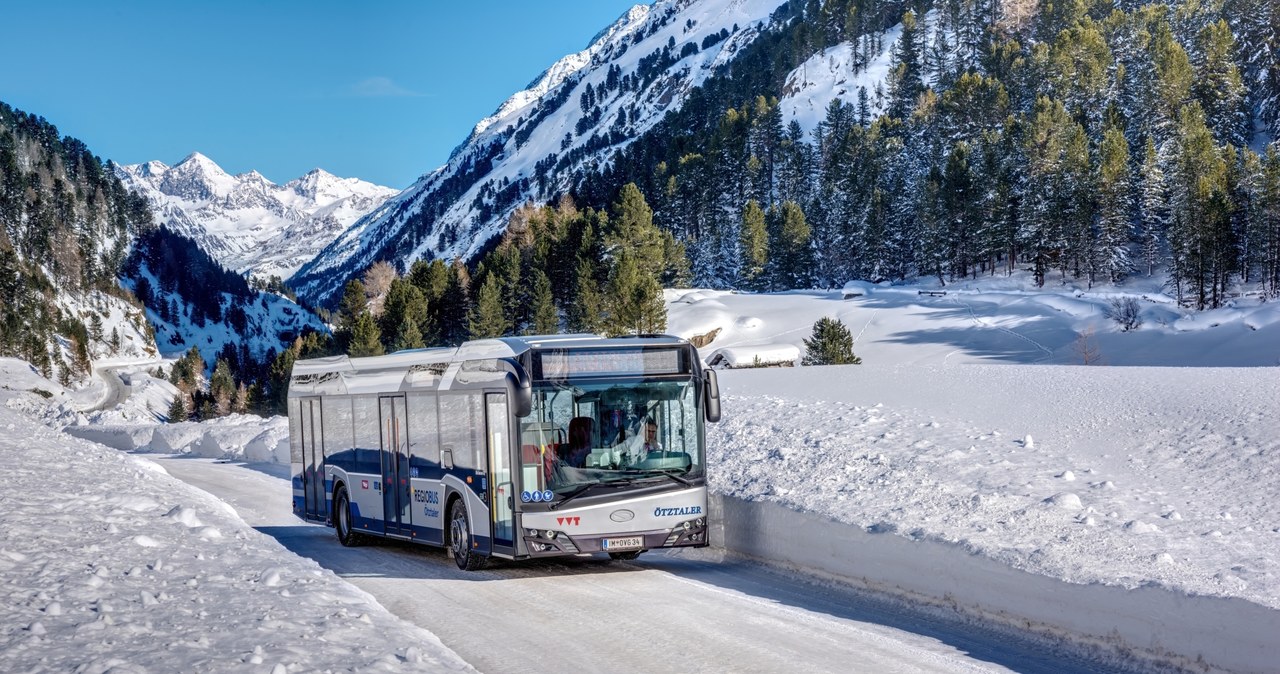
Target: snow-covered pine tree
(1154,212)
(1115,206)
(906,75)
(1218,85)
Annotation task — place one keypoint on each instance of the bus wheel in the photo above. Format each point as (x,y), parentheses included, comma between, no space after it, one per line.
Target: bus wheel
(460,539)
(342,520)
(624,556)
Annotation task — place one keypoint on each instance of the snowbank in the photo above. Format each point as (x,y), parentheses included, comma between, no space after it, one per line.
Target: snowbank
(764,355)
(237,437)
(112,565)
(1140,518)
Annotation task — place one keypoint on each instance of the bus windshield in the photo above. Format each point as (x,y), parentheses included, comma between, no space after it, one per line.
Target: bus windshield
(585,433)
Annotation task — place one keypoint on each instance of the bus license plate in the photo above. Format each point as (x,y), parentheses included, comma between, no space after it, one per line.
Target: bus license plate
(623,543)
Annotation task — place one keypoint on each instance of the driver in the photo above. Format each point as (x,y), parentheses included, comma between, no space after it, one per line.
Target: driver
(645,442)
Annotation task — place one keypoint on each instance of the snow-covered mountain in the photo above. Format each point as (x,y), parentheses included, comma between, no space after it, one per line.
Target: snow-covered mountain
(246,222)
(573,118)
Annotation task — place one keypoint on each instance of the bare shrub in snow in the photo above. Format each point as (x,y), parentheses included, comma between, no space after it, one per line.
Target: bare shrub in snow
(1086,346)
(1126,312)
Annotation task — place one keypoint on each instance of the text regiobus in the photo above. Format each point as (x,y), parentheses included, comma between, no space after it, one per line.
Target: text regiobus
(513,448)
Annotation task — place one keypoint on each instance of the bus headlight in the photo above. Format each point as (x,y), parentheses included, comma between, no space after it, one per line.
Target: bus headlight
(688,532)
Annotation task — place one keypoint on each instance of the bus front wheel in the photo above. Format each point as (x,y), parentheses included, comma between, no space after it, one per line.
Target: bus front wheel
(342,520)
(460,543)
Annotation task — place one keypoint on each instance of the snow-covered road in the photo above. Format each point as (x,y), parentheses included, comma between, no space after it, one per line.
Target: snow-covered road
(689,612)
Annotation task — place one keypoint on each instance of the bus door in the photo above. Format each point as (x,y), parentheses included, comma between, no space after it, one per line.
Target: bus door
(503,494)
(395,465)
(313,460)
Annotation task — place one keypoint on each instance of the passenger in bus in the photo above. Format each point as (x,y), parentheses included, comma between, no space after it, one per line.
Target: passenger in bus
(579,447)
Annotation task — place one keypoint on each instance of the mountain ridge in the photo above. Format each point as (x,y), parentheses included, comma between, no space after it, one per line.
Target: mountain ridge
(248,223)
(630,67)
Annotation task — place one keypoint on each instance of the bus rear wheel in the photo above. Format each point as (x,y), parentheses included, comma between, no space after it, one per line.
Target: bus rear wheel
(342,520)
(460,539)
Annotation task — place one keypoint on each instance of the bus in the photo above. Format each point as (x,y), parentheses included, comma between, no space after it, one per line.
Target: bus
(513,448)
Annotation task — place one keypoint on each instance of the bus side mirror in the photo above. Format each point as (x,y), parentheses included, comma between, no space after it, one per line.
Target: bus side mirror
(521,393)
(711,395)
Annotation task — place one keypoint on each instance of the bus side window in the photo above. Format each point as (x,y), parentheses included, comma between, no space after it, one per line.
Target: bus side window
(424,432)
(337,426)
(455,433)
(475,414)
(368,435)
(295,431)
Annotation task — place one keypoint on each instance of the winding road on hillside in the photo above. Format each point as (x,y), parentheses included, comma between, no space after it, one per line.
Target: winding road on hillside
(696,611)
(117,391)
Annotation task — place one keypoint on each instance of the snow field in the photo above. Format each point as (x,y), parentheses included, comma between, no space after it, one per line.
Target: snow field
(1129,508)
(112,565)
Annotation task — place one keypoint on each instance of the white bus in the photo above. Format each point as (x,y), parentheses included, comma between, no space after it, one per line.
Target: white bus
(512,448)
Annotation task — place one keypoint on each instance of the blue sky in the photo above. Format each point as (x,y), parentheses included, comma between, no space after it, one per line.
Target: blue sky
(376,90)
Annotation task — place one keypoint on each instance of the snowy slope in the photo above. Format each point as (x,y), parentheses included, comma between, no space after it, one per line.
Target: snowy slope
(117,567)
(834,74)
(510,156)
(270,322)
(246,222)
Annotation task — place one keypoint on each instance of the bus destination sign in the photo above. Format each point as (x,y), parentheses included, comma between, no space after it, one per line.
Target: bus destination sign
(563,363)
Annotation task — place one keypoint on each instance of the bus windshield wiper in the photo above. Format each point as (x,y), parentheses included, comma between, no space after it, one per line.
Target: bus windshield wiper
(573,494)
(677,478)
(666,472)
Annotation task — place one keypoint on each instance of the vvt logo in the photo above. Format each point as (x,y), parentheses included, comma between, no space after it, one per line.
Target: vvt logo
(568,521)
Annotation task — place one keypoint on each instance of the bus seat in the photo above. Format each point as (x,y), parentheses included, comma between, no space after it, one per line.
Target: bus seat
(540,432)
(530,454)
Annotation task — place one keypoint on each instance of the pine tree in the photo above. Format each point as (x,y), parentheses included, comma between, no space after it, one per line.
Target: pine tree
(489,318)
(1082,66)
(906,79)
(1114,206)
(1200,236)
(754,244)
(1155,207)
(631,229)
(794,256)
(353,304)
(407,336)
(178,408)
(1267,247)
(830,344)
(959,202)
(366,339)
(545,319)
(278,377)
(1173,78)
(585,312)
(635,304)
(1218,85)
(405,305)
(456,306)
(222,388)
